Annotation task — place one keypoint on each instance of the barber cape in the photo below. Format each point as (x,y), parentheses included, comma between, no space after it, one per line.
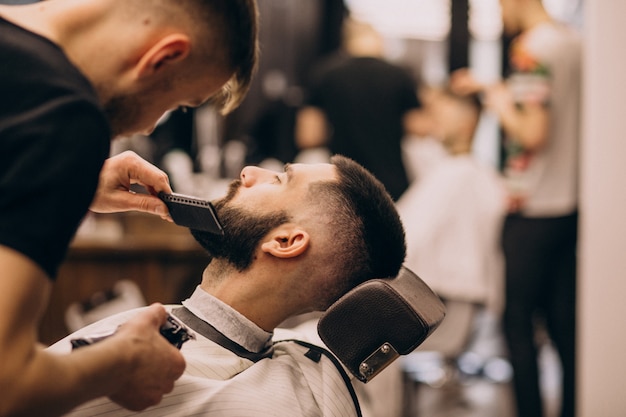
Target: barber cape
(290,377)
(453,219)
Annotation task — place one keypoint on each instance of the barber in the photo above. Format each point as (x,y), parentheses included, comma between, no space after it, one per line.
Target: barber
(73,75)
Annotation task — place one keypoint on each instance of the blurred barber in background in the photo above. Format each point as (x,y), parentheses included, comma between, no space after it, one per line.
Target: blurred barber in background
(361,105)
(538,107)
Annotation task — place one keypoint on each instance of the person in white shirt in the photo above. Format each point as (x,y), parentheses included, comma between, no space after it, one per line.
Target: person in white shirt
(294,243)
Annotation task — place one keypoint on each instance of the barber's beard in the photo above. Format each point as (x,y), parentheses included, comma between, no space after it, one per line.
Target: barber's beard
(122,113)
(243,230)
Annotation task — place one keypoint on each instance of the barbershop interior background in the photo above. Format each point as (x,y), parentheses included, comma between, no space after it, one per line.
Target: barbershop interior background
(120,261)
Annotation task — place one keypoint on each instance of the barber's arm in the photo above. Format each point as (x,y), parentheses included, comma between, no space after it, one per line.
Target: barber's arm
(134,368)
(118,174)
(527,121)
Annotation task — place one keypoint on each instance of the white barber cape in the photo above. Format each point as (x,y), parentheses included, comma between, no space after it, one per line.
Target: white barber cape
(294,381)
(453,218)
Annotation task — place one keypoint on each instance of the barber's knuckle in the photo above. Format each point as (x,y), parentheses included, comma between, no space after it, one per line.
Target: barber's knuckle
(163,177)
(144,205)
(179,367)
(169,387)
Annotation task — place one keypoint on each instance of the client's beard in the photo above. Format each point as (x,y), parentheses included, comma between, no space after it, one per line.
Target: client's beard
(243,230)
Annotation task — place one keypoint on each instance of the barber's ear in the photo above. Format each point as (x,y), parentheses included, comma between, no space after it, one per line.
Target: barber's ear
(286,242)
(168,50)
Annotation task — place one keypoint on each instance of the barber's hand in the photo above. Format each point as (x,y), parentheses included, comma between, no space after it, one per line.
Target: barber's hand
(154,363)
(117,175)
(462,82)
(498,98)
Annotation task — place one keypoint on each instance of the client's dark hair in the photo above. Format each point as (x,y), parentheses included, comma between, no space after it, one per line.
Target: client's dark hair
(368,233)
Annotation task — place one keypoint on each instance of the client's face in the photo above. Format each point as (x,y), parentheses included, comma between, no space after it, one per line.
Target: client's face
(257,203)
(243,230)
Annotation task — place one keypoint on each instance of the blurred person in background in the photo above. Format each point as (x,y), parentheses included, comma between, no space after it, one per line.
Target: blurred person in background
(73,75)
(538,109)
(453,216)
(360,105)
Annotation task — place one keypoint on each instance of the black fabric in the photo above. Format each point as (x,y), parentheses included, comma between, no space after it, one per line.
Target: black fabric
(54,139)
(365,100)
(458,40)
(205,329)
(541,284)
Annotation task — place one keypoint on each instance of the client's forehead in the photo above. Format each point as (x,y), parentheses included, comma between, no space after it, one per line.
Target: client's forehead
(308,173)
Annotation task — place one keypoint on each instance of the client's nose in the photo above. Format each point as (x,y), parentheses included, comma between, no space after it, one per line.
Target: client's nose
(251,175)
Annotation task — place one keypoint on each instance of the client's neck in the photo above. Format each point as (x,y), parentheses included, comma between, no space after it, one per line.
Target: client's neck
(253,292)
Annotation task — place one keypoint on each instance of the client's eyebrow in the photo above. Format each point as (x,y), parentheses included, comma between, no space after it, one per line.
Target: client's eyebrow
(289,171)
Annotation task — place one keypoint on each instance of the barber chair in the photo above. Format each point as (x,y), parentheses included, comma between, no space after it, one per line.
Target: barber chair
(380,320)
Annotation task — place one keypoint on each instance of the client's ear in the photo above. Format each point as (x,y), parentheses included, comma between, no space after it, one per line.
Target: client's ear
(286,241)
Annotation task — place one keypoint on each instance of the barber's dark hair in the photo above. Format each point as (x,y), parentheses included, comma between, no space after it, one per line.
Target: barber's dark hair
(368,232)
(234,24)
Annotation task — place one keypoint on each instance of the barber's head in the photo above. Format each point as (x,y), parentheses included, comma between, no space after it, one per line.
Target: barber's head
(333,223)
(518,15)
(179,53)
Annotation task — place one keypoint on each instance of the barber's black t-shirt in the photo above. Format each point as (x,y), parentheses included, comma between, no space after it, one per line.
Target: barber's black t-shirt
(54,138)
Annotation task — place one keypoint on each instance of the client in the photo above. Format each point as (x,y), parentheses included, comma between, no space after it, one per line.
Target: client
(294,243)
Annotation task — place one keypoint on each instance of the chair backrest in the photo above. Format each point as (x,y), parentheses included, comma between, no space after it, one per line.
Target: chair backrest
(379,320)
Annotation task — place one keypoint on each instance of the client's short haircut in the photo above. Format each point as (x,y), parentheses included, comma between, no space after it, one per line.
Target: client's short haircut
(368,238)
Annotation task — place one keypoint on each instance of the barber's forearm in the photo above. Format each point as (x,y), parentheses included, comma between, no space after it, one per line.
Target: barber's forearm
(135,368)
(33,381)
(524,121)
(52,385)
(529,126)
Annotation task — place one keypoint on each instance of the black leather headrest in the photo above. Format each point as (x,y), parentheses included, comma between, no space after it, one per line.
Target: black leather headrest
(379,320)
